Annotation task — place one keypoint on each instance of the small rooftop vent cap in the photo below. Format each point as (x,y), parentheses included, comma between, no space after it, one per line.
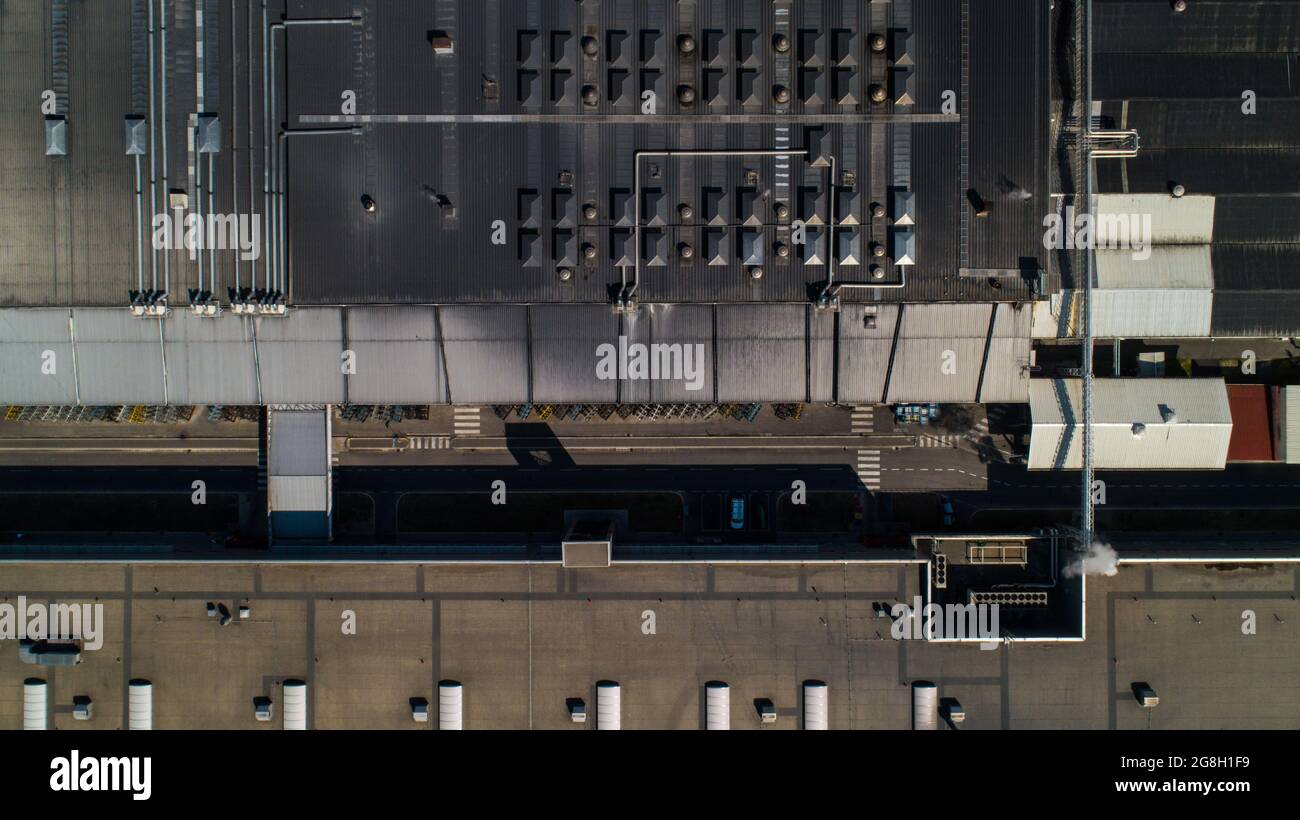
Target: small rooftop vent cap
(1138,429)
(1167,413)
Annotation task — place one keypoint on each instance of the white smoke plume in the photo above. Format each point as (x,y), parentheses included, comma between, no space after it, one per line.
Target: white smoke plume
(1100,559)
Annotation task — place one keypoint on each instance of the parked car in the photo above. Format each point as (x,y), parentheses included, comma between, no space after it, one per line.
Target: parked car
(738,512)
(949,517)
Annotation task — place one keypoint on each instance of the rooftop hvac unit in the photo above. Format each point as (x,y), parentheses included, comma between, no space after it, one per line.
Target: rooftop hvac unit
(717,705)
(82,708)
(56,136)
(955,712)
(35,704)
(136,136)
(140,705)
(295,705)
(1010,599)
(925,706)
(939,564)
(262,709)
(766,711)
(1146,696)
(420,710)
(577,710)
(816,698)
(451,706)
(609,705)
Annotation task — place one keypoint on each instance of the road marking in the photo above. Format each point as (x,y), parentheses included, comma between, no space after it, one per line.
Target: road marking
(864,421)
(869,468)
(937,441)
(466,421)
(430,443)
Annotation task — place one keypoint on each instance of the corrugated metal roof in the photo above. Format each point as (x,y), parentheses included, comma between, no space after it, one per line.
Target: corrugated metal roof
(398,356)
(762,353)
(677,324)
(1197,440)
(940,353)
(299,443)
(565,341)
(210,361)
(301,361)
(487,353)
(1252,427)
(864,351)
(1181,220)
(1255,314)
(119,358)
(298,494)
(1227,27)
(1006,371)
(37,362)
(1168,267)
(1288,411)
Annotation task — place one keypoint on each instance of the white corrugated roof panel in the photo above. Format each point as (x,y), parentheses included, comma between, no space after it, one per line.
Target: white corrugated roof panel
(298,493)
(1197,437)
(398,358)
(1126,313)
(940,353)
(210,361)
(119,357)
(1006,374)
(25,364)
(301,357)
(1289,415)
(864,351)
(1185,220)
(1167,267)
(299,443)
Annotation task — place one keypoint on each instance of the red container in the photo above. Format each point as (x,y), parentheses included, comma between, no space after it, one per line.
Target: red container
(1252,426)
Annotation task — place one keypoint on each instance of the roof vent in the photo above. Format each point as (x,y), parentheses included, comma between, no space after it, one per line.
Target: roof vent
(441,43)
(1167,413)
(1138,429)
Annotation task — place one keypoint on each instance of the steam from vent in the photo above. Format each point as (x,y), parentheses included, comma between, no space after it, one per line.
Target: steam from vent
(1100,559)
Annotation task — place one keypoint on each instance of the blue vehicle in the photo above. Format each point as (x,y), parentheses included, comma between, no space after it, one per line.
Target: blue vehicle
(737,512)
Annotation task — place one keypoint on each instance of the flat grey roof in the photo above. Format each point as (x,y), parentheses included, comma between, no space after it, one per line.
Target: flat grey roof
(764,630)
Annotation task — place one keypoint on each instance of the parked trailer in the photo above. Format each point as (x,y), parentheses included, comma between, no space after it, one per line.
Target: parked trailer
(35,704)
(451,705)
(609,705)
(140,705)
(816,699)
(925,705)
(295,705)
(717,705)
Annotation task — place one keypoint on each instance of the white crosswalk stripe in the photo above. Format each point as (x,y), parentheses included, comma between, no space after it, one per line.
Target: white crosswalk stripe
(937,441)
(864,421)
(869,468)
(430,443)
(466,421)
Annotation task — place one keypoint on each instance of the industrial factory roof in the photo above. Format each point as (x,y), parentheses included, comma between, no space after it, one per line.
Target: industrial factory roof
(474,116)
(1214,95)
(473,354)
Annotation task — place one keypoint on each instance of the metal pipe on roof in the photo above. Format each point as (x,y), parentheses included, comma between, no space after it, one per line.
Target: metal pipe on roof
(275,199)
(234,129)
(266,145)
(139,228)
(212,205)
(153,130)
(198,196)
(167,257)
